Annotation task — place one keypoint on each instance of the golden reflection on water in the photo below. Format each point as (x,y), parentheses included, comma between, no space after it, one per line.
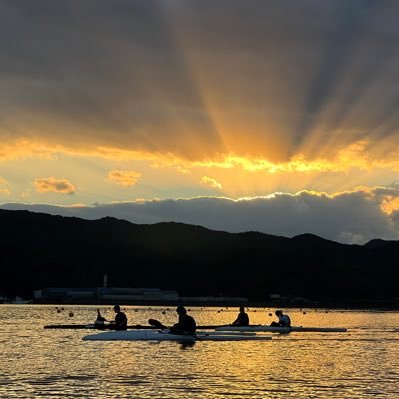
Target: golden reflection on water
(359,364)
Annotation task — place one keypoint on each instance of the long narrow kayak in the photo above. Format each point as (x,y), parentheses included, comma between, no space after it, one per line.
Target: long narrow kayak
(164,335)
(261,328)
(110,327)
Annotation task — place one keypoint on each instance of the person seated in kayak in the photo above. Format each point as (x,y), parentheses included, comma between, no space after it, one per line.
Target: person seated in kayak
(242,318)
(283,320)
(185,325)
(120,322)
(100,321)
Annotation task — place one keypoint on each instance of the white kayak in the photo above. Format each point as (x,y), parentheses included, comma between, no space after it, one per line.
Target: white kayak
(165,335)
(261,328)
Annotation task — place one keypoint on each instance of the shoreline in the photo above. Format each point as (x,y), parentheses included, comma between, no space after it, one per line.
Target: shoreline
(328,305)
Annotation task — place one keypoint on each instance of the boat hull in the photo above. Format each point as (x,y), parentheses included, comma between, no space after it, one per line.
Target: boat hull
(261,328)
(151,335)
(110,327)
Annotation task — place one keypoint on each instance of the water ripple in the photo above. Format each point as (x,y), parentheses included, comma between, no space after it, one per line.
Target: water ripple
(38,363)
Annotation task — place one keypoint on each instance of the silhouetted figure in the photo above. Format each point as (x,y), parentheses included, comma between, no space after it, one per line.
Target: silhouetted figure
(100,321)
(185,325)
(120,322)
(242,318)
(283,320)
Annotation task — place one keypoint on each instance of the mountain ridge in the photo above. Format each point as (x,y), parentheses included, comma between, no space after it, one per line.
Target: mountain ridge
(42,250)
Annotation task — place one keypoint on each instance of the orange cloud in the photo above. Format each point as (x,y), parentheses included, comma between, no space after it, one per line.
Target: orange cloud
(386,197)
(352,156)
(4,187)
(390,204)
(52,184)
(209,181)
(124,177)
(262,112)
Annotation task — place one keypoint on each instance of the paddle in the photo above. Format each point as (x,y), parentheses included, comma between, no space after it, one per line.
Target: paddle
(99,317)
(157,324)
(100,320)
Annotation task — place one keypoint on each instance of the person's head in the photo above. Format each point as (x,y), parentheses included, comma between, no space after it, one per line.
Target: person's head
(242,310)
(181,310)
(117,308)
(278,312)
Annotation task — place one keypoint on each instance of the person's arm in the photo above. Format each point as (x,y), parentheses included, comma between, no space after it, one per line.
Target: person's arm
(176,327)
(123,322)
(179,324)
(236,321)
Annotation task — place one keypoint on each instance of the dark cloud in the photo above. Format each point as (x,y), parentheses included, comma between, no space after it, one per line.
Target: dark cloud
(140,75)
(52,184)
(111,71)
(352,217)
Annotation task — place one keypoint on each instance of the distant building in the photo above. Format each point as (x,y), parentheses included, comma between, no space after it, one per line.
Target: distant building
(275,297)
(136,294)
(104,294)
(278,298)
(299,300)
(65,294)
(213,299)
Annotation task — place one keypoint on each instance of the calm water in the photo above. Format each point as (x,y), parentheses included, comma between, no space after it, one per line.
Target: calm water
(35,363)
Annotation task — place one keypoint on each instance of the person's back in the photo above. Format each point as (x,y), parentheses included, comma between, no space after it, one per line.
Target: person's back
(242,319)
(283,320)
(120,319)
(186,323)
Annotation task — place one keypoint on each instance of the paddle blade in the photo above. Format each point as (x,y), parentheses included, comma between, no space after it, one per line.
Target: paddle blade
(156,323)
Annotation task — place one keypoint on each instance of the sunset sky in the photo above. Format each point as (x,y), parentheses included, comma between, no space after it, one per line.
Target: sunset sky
(276,116)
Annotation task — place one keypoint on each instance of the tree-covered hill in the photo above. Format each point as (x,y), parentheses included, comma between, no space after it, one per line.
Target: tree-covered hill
(39,250)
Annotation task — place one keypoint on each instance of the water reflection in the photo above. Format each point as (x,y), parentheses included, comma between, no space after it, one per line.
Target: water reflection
(187,344)
(38,363)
